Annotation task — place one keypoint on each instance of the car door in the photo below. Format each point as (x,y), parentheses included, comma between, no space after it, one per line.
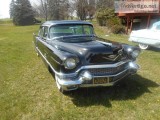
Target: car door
(47,50)
(41,41)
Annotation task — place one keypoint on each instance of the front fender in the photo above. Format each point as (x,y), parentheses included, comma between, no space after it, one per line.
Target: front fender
(128,50)
(57,57)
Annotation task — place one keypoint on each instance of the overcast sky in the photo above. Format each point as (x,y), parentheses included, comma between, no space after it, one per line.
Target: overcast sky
(4,8)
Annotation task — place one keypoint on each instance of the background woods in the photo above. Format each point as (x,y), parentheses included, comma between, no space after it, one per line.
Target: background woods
(20,10)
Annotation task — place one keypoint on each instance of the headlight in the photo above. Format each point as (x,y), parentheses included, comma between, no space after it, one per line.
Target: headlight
(70,63)
(135,53)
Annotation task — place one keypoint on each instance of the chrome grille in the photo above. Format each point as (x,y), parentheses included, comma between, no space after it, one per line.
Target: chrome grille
(107,71)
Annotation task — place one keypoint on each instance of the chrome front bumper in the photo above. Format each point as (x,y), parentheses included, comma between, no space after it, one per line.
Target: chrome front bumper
(75,83)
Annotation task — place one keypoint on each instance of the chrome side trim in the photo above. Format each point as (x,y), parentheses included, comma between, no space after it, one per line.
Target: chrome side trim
(55,60)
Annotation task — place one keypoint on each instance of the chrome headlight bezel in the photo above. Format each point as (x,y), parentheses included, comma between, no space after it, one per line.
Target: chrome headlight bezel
(135,53)
(70,63)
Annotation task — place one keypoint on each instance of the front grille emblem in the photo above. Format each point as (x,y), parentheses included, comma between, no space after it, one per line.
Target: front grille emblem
(120,52)
(114,57)
(110,57)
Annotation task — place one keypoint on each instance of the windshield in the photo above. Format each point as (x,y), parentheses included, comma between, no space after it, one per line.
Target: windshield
(70,30)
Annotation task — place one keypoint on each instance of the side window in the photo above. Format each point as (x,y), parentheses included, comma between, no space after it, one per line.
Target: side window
(87,29)
(43,32)
(78,30)
(40,34)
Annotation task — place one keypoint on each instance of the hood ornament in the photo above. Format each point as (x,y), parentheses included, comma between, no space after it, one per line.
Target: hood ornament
(114,57)
(120,52)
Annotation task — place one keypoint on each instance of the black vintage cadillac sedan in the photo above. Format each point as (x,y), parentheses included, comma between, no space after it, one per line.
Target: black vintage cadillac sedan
(78,58)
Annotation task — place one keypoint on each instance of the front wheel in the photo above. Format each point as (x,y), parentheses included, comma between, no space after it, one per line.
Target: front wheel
(143,46)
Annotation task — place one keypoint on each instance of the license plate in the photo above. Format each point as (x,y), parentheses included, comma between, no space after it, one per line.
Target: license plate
(101,80)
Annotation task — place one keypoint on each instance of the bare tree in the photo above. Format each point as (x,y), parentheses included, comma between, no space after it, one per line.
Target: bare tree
(104,4)
(11,11)
(71,9)
(41,8)
(91,8)
(81,9)
(62,9)
(58,9)
(52,9)
(44,6)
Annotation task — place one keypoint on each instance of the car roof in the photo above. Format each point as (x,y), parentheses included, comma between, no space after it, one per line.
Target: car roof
(60,22)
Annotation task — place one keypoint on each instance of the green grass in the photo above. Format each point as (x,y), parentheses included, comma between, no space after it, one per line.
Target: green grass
(29,92)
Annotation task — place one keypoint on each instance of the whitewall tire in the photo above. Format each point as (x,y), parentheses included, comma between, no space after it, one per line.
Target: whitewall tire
(143,46)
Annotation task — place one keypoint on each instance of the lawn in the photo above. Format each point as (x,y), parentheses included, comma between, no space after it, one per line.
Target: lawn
(28,91)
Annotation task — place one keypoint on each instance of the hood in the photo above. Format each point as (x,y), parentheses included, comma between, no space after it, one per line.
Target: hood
(141,33)
(83,48)
(92,51)
(145,33)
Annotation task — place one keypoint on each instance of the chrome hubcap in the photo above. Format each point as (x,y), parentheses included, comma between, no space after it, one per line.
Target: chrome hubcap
(143,46)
